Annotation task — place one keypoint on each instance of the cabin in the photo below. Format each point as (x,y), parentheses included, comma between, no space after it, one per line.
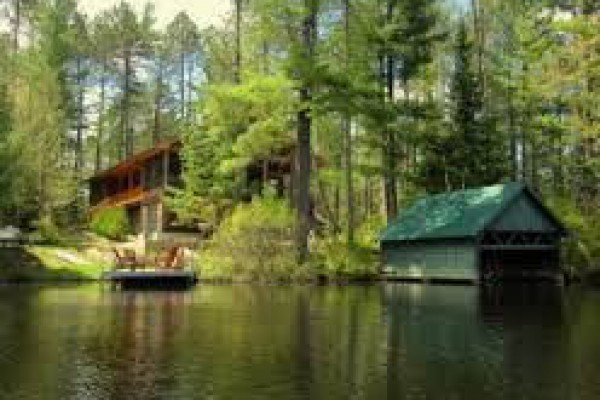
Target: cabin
(496,232)
(138,184)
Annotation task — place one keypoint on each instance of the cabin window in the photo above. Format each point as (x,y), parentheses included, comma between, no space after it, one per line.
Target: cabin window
(137,178)
(112,187)
(174,170)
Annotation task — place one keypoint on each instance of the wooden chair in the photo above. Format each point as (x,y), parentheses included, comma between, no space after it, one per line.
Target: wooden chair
(169,258)
(127,260)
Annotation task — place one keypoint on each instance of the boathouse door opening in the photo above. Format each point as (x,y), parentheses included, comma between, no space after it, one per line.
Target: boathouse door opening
(519,255)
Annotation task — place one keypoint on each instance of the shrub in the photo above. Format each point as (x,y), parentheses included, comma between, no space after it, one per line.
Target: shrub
(111,223)
(255,242)
(367,233)
(334,258)
(582,248)
(49,232)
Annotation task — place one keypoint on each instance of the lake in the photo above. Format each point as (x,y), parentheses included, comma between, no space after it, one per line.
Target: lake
(388,341)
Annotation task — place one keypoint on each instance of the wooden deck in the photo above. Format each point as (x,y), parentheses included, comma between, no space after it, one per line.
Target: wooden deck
(152,279)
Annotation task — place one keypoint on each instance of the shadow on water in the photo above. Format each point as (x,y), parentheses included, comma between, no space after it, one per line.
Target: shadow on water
(497,342)
(522,303)
(530,322)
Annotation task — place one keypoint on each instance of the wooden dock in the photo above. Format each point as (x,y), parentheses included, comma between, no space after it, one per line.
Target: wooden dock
(152,279)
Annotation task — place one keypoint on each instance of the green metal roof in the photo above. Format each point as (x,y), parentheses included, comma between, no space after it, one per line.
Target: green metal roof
(459,214)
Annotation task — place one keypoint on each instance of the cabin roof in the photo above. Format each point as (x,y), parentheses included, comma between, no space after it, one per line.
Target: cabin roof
(138,159)
(460,214)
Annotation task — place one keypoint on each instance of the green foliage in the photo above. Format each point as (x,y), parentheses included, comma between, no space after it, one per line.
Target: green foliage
(49,232)
(367,233)
(582,248)
(333,258)
(254,243)
(206,193)
(111,223)
(250,120)
(468,151)
(241,123)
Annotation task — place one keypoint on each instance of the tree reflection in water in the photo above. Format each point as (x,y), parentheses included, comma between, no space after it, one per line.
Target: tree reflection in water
(392,341)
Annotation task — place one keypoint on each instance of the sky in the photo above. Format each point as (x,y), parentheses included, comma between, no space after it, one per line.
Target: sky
(203,12)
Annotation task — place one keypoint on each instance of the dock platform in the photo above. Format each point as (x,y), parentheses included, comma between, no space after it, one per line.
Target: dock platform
(152,279)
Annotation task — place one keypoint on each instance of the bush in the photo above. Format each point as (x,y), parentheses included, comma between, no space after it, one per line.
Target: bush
(367,233)
(582,248)
(256,242)
(111,223)
(49,232)
(334,258)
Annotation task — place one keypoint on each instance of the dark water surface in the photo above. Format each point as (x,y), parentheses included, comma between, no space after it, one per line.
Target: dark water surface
(391,341)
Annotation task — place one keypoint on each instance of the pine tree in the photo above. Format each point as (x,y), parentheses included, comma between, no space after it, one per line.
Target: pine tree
(131,37)
(183,40)
(473,161)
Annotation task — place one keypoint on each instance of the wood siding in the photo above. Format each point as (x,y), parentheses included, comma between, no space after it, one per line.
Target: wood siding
(524,215)
(439,260)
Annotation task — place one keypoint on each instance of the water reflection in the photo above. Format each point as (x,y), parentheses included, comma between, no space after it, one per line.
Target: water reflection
(374,342)
(529,322)
(519,303)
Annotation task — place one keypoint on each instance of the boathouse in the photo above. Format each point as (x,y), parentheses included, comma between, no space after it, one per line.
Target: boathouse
(495,232)
(138,184)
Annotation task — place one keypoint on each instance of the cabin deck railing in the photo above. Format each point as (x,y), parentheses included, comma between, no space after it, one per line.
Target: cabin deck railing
(132,195)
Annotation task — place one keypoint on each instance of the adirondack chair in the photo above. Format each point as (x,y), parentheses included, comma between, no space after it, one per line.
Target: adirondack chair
(168,259)
(126,260)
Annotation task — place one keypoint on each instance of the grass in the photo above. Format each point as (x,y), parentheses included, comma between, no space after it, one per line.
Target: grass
(44,263)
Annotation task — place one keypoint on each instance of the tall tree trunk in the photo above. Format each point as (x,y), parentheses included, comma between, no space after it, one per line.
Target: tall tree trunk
(127,134)
(79,128)
(303,189)
(158,104)
(559,155)
(190,87)
(533,163)
(16,24)
(481,55)
(337,198)
(238,41)
(478,31)
(348,148)
(304,128)
(513,137)
(368,196)
(182,84)
(265,54)
(390,191)
(100,136)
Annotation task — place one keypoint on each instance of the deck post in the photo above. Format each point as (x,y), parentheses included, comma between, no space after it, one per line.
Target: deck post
(130,180)
(165,182)
(159,218)
(144,218)
(143,177)
(165,169)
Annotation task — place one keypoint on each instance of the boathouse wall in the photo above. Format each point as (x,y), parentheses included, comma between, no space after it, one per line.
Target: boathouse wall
(431,260)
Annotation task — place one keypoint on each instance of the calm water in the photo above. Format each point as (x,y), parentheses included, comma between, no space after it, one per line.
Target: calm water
(243,342)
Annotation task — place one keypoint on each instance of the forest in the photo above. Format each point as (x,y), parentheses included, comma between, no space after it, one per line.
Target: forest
(382,101)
